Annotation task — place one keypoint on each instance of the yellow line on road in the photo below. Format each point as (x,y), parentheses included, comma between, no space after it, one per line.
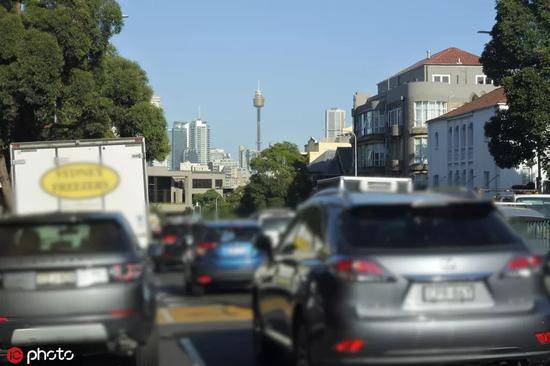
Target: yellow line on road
(207,313)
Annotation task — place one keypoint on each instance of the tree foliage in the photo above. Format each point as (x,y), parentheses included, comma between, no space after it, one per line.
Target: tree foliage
(518,59)
(60,78)
(280,179)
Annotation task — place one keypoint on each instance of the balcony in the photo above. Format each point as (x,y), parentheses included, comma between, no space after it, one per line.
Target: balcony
(419,130)
(418,164)
(394,131)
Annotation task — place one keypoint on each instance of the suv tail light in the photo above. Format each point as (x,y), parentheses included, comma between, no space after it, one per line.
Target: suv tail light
(169,239)
(204,247)
(127,272)
(361,270)
(523,266)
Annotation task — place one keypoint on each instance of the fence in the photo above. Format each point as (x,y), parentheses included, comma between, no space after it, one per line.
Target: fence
(537,235)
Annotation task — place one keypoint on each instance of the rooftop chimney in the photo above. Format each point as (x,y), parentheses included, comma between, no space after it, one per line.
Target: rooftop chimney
(428,54)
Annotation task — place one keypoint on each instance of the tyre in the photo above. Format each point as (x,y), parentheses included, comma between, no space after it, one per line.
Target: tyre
(148,354)
(301,350)
(262,346)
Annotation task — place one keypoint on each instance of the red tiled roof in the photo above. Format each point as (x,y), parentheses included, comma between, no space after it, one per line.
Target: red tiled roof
(449,56)
(490,99)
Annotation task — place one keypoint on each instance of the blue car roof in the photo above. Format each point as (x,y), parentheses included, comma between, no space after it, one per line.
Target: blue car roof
(231,223)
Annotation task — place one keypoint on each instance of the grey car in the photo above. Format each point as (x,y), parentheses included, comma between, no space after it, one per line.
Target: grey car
(77,280)
(389,278)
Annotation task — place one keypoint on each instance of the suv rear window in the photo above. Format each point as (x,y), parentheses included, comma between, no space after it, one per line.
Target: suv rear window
(405,226)
(231,233)
(20,239)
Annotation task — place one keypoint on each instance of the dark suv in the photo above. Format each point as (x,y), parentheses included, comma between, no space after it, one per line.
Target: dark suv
(76,279)
(388,278)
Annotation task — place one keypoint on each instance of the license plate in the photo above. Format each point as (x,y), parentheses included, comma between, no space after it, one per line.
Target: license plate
(237,250)
(448,293)
(55,278)
(91,276)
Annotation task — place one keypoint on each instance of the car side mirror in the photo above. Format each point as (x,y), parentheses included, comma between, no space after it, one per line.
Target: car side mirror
(263,243)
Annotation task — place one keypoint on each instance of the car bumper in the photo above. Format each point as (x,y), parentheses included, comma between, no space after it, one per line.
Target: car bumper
(221,276)
(89,329)
(434,341)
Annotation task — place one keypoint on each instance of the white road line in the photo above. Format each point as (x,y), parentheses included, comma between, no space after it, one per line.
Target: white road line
(192,352)
(166,316)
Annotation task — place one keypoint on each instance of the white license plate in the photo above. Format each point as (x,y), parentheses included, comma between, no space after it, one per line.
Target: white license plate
(91,276)
(236,250)
(448,292)
(55,278)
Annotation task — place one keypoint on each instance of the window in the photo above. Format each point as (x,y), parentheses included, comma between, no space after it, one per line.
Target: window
(450,178)
(471,134)
(457,178)
(486,179)
(424,111)
(436,180)
(305,239)
(436,141)
(394,117)
(450,145)
(219,183)
(202,183)
(463,179)
(375,155)
(420,150)
(446,79)
(483,79)
(471,178)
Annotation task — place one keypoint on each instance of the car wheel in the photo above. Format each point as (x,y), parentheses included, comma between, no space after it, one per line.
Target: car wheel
(262,346)
(301,355)
(148,354)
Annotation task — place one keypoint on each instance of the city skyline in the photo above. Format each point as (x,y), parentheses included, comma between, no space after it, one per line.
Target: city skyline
(218,66)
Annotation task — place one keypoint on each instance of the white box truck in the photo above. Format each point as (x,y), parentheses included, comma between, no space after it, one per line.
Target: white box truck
(83,175)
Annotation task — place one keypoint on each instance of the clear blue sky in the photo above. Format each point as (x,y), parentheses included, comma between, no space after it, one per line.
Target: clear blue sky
(309,55)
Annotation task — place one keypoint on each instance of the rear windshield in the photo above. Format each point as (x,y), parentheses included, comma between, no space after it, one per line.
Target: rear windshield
(403,226)
(233,233)
(178,230)
(21,239)
(276,223)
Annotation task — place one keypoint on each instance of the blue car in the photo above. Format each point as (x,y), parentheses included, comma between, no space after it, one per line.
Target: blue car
(223,255)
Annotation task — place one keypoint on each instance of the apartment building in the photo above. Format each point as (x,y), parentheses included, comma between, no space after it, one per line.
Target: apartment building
(391,127)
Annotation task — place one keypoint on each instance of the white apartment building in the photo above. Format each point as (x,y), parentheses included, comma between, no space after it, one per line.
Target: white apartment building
(458,152)
(335,121)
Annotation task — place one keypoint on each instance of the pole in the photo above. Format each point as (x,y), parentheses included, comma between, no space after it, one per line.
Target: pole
(539,174)
(217,217)
(355,152)
(6,185)
(258,141)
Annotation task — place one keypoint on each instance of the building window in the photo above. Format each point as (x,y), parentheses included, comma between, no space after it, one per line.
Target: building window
(463,178)
(483,80)
(457,178)
(457,135)
(202,183)
(219,183)
(446,79)
(471,178)
(394,116)
(450,145)
(486,180)
(471,142)
(436,180)
(450,178)
(420,150)
(375,155)
(436,141)
(424,111)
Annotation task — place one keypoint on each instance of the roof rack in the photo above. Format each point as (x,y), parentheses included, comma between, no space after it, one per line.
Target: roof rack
(366,184)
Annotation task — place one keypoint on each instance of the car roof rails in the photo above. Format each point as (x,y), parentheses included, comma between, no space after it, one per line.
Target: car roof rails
(364,185)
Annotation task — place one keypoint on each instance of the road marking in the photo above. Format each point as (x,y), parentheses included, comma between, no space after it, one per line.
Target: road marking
(166,316)
(209,313)
(191,352)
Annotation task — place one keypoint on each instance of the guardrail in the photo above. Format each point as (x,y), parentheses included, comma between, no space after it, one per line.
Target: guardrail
(537,235)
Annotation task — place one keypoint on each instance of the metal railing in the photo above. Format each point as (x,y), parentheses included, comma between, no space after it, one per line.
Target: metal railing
(537,235)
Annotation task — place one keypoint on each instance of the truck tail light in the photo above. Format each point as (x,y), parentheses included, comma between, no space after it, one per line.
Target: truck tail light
(204,247)
(523,266)
(349,346)
(361,270)
(127,272)
(169,239)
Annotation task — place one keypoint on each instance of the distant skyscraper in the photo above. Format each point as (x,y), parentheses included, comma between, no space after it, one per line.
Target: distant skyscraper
(179,142)
(199,141)
(218,154)
(335,120)
(245,156)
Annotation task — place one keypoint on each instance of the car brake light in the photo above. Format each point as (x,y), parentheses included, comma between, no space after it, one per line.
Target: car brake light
(523,266)
(3,319)
(126,272)
(204,280)
(361,270)
(349,346)
(543,338)
(204,247)
(123,313)
(169,239)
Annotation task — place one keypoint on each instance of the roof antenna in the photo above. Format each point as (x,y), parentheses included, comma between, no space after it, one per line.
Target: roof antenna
(259,85)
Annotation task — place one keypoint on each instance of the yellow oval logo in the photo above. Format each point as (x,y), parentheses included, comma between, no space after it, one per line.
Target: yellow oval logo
(79,181)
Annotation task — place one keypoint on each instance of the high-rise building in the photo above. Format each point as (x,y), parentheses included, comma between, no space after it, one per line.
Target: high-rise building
(245,156)
(180,143)
(155,100)
(218,154)
(199,141)
(335,121)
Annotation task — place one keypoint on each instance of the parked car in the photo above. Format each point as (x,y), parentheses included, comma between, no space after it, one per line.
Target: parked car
(223,254)
(274,222)
(76,279)
(392,278)
(539,202)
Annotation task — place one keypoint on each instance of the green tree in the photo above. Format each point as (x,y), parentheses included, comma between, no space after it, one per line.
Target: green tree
(280,179)
(518,59)
(207,202)
(60,78)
